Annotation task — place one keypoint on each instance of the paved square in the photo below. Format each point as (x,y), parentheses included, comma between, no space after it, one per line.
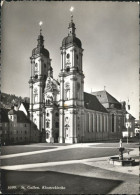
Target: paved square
(68,169)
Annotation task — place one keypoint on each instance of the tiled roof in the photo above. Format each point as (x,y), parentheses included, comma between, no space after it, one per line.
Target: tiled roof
(12,112)
(40,48)
(21,117)
(4,115)
(71,40)
(92,103)
(105,97)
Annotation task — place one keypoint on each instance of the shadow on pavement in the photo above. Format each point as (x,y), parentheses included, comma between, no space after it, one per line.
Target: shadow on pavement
(48,182)
(5,150)
(62,155)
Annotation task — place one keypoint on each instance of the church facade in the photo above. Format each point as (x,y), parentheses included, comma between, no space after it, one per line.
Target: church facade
(62,111)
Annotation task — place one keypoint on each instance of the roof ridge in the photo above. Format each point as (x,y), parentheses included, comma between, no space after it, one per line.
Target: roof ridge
(108,94)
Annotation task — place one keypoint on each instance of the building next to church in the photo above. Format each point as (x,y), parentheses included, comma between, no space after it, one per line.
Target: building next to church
(17,127)
(62,111)
(5,134)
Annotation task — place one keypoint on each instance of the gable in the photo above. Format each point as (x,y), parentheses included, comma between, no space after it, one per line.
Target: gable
(106,99)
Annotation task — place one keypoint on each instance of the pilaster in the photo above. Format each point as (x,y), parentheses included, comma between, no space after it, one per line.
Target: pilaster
(61,126)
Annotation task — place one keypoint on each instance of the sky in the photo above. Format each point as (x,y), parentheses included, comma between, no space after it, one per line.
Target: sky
(109,32)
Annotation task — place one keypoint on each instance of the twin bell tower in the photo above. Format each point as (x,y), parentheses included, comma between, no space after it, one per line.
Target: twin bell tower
(57,108)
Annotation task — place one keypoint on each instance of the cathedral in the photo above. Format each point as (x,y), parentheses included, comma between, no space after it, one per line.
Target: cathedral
(62,111)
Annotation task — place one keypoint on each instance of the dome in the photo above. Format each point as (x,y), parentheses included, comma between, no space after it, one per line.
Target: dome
(40,47)
(71,39)
(39,50)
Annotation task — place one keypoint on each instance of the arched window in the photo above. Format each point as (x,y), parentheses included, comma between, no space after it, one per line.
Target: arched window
(112,122)
(87,121)
(91,122)
(47,124)
(68,55)
(36,67)
(36,71)
(67,91)
(47,135)
(67,69)
(67,94)
(66,132)
(35,98)
(98,122)
(35,95)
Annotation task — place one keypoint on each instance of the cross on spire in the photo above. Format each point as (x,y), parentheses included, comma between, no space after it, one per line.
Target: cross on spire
(71,10)
(40,37)
(40,24)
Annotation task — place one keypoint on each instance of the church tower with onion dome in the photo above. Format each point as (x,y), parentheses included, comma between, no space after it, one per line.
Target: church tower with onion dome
(62,111)
(71,109)
(40,64)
